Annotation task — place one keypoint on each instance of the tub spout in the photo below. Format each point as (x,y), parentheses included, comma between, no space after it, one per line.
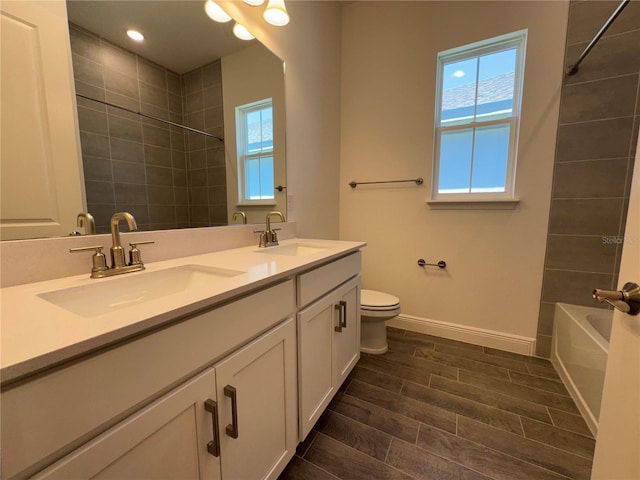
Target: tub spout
(626,300)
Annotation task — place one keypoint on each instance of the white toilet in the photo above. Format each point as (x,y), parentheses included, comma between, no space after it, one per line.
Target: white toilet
(375,308)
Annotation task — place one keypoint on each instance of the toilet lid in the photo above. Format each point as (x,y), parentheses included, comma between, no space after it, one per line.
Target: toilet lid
(371,299)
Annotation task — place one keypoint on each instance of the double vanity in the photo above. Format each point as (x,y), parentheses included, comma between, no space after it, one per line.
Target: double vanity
(209,366)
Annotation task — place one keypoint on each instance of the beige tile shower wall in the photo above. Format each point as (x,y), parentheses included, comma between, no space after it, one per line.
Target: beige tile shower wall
(495,258)
(597,136)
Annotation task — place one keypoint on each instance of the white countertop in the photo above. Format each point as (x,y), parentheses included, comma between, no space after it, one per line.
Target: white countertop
(36,334)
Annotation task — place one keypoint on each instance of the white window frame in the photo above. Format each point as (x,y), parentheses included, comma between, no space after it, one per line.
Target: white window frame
(243,155)
(516,40)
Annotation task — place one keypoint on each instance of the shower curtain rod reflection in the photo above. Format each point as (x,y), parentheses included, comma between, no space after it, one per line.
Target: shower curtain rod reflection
(150,116)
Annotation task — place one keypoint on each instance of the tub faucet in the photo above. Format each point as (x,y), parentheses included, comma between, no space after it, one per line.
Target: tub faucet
(626,300)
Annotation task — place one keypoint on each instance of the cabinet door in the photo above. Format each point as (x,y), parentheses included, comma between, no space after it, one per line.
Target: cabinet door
(315,352)
(346,339)
(166,440)
(257,392)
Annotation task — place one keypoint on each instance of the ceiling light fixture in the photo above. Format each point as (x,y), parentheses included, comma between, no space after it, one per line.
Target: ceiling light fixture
(276,13)
(135,35)
(459,73)
(242,33)
(254,3)
(214,12)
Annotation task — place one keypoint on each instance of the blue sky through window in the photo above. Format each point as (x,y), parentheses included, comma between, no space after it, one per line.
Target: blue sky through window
(476,89)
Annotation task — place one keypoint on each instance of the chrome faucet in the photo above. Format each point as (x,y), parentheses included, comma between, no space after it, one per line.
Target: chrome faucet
(240,214)
(86,221)
(118,263)
(269,238)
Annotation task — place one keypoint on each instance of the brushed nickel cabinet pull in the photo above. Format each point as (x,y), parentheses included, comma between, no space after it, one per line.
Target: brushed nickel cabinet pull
(338,328)
(213,447)
(343,314)
(232,429)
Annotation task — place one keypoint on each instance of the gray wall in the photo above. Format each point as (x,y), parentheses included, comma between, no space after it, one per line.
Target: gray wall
(132,163)
(202,100)
(597,135)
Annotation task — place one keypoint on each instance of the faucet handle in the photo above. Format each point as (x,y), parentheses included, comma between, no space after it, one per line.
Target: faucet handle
(98,258)
(263,238)
(134,253)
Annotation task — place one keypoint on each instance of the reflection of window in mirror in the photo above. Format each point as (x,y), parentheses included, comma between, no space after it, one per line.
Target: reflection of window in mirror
(255,152)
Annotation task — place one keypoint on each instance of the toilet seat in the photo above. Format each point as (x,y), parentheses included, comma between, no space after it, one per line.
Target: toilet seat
(374,301)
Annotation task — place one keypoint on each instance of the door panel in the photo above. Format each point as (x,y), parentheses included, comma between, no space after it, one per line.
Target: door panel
(42,181)
(617,453)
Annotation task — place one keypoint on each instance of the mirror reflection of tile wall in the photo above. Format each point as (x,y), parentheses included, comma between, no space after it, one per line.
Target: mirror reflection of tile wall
(165,177)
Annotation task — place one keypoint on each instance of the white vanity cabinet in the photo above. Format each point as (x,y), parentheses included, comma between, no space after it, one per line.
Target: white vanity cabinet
(328,334)
(236,420)
(146,398)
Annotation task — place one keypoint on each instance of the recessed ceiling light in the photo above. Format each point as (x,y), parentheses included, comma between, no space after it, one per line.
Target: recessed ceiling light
(135,35)
(254,3)
(459,74)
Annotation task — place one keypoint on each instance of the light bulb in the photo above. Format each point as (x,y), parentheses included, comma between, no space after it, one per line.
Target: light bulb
(242,33)
(276,13)
(254,3)
(135,35)
(214,12)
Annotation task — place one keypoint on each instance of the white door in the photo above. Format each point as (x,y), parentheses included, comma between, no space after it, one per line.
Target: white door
(617,454)
(42,187)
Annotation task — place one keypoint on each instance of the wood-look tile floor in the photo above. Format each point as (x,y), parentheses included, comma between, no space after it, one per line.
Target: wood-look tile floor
(432,408)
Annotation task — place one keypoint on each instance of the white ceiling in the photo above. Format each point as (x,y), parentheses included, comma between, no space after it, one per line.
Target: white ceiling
(178,34)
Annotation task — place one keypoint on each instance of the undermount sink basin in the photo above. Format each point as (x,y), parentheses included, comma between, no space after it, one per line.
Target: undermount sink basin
(293,250)
(133,289)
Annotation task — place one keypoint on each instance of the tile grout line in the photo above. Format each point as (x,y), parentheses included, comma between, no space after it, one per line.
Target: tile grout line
(513,456)
(388,450)
(551,417)
(321,469)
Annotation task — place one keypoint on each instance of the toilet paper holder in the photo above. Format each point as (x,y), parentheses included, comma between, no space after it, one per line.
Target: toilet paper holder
(423,263)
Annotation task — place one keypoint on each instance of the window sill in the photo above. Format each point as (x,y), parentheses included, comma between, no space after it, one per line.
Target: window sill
(498,204)
(268,203)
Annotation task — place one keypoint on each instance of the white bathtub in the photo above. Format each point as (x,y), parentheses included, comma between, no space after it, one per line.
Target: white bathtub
(579,353)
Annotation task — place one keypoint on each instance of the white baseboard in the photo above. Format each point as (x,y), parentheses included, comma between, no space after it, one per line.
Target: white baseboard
(463,333)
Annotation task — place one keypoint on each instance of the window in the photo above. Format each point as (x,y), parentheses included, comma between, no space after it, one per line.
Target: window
(254,126)
(477,119)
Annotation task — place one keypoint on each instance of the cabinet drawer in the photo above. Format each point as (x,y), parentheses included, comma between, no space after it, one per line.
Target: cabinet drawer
(312,285)
(45,418)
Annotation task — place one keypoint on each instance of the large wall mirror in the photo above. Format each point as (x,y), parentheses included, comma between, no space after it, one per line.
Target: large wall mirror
(199,134)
